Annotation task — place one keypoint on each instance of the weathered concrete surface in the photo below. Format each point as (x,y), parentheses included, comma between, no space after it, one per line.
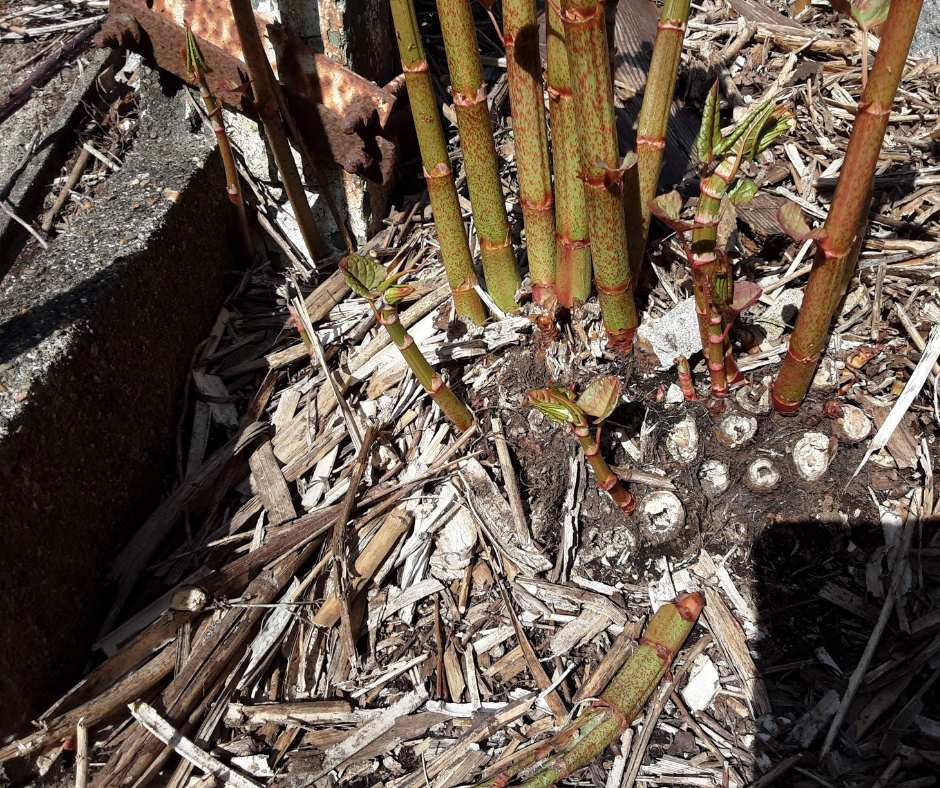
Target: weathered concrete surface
(96,337)
(927,39)
(53,112)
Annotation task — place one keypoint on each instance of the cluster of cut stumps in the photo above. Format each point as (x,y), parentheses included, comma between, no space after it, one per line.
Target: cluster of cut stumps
(587,212)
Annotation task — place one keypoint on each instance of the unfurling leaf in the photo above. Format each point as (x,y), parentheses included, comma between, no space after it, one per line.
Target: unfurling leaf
(745,295)
(364,275)
(395,293)
(195,64)
(601,397)
(722,289)
(710,131)
(866,13)
(666,208)
(556,405)
(793,224)
(742,192)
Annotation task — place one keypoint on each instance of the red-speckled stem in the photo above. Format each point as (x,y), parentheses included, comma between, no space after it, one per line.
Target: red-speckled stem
(654,114)
(573,248)
(606,479)
(624,697)
(586,37)
(527,99)
(451,233)
(476,140)
(837,253)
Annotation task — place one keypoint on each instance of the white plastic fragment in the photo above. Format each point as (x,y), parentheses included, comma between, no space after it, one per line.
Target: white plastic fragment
(812,455)
(682,441)
(703,684)
(735,430)
(662,516)
(762,475)
(714,478)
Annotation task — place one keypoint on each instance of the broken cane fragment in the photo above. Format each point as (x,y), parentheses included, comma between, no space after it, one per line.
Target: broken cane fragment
(581,742)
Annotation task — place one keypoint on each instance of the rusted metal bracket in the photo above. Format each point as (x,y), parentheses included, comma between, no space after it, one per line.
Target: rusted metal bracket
(343,117)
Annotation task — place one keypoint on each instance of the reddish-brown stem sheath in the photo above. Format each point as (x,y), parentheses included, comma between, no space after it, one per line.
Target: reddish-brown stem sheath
(837,252)
(601,171)
(451,233)
(654,115)
(573,249)
(606,479)
(446,400)
(476,141)
(526,96)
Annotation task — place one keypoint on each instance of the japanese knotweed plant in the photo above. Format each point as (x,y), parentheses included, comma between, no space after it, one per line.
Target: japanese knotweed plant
(717,300)
(196,66)
(839,241)
(368,278)
(597,401)
(604,722)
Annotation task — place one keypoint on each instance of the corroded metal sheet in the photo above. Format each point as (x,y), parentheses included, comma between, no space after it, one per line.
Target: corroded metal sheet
(342,116)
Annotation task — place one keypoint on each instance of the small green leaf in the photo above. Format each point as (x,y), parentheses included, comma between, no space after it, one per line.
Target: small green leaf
(364,275)
(745,129)
(709,132)
(195,64)
(395,293)
(669,205)
(745,295)
(666,208)
(742,192)
(601,397)
(869,13)
(556,405)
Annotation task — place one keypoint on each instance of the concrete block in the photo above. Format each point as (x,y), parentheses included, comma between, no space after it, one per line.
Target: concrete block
(96,339)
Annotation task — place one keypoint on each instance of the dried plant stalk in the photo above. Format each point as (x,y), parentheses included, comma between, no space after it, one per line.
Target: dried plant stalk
(266,102)
(448,220)
(654,114)
(196,65)
(839,242)
(601,168)
(572,245)
(526,96)
(620,703)
(479,150)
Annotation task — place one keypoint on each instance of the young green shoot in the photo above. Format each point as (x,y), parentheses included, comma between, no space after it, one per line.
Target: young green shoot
(597,401)
(368,278)
(197,68)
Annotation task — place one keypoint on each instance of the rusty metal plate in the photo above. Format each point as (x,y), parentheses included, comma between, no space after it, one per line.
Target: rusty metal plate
(342,116)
